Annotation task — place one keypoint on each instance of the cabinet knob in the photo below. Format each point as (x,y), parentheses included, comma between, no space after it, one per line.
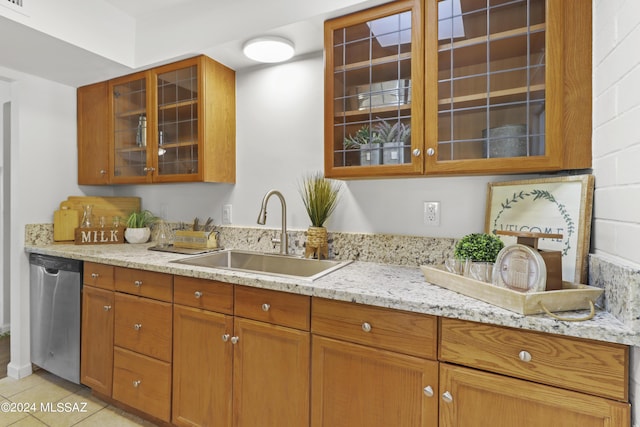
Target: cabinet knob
(225,337)
(428,391)
(136,383)
(94,275)
(137,326)
(266,307)
(107,307)
(431,152)
(416,152)
(197,294)
(525,356)
(103,172)
(234,340)
(137,283)
(366,327)
(151,169)
(446,396)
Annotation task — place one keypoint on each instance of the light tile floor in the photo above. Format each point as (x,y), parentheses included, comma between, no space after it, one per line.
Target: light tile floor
(42,399)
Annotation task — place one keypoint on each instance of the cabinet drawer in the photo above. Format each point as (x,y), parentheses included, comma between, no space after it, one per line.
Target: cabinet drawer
(98,275)
(142,383)
(588,366)
(143,325)
(202,293)
(275,307)
(144,283)
(399,331)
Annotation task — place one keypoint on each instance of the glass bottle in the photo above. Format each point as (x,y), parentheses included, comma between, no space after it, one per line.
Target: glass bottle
(87,220)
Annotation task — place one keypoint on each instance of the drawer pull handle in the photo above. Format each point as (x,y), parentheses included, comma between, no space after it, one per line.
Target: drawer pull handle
(94,275)
(136,383)
(107,307)
(366,327)
(197,294)
(234,340)
(137,326)
(446,396)
(428,391)
(525,356)
(225,337)
(266,307)
(138,283)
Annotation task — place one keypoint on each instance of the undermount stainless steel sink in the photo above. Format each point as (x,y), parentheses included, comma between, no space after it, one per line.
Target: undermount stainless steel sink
(263,263)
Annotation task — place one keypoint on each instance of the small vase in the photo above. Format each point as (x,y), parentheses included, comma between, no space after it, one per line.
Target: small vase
(317,243)
(137,235)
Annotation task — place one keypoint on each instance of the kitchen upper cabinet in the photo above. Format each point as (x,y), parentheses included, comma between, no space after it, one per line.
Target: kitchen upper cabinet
(374,77)
(462,86)
(508,86)
(93,134)
(174,123)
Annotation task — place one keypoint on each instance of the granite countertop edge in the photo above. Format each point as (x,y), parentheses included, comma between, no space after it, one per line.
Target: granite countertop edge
(382,285)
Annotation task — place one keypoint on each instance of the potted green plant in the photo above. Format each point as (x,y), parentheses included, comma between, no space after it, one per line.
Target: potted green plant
(139,226)
(320,197)
(367,142)
(478,247)
(394,138)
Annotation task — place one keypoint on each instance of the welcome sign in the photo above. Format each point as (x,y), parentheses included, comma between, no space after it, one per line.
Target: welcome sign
(560,205)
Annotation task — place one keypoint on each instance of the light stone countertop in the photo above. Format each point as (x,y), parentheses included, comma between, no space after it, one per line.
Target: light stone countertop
(383,285)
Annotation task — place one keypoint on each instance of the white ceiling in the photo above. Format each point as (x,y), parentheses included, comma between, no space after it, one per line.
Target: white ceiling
(163,31)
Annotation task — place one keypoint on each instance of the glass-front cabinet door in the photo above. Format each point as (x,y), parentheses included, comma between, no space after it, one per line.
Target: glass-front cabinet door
(374,78)
(131,136)
(495,85)
(178,122)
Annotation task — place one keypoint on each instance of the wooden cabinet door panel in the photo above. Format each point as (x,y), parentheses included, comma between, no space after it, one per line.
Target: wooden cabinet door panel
(148,284)
(96,360)
(98,275)
(275,307)
(143,325)
(271,375)
(358,386)
(93,134)
(202,368)
(481,399)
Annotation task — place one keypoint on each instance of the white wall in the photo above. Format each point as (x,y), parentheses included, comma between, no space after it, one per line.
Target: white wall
(616,142)
(280,138)
(5,97)
(43,172)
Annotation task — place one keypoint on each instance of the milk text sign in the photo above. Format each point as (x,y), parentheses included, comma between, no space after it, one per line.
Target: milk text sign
(99,235)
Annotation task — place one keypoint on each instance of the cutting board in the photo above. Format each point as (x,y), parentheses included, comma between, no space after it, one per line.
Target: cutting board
(65,221)
(103,206)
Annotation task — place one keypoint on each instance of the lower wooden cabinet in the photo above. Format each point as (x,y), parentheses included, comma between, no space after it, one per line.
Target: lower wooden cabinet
(480,399)
(270,375)
(358,386)
(96,358)
(202,367)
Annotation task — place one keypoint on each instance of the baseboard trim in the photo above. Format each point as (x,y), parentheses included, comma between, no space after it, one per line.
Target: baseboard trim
(18,372)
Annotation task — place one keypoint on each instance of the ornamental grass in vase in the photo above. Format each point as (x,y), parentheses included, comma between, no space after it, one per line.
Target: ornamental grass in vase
(320,197)
(139,226)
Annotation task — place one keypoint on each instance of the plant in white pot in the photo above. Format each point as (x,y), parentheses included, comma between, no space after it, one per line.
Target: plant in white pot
(139,226)
(394,139)
(367,142)
(320,197)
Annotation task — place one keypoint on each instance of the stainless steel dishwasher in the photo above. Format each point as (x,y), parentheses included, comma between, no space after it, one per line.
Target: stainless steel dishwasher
(55,302)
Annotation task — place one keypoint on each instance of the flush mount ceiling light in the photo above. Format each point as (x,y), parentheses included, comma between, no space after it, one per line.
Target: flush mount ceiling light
(268,49)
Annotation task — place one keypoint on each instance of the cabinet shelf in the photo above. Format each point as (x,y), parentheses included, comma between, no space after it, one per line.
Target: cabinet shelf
(177,104)
(478,99)
(373,62)
(538,28)
(165,146)
(375,110)
(131,113)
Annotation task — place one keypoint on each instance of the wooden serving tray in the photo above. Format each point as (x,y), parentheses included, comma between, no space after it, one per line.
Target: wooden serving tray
(572,296)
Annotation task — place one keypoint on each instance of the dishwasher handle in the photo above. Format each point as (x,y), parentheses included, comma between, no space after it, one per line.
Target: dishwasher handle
(53,264)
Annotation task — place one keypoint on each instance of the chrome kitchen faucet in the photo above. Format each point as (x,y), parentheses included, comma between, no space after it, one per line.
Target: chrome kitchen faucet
(262,219)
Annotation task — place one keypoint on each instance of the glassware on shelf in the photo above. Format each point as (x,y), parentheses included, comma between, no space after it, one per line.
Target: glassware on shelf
(87,216)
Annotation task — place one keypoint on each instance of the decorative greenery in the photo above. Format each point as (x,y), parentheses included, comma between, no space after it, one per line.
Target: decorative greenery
(381,133)
(141,219)
(479,247)
(320,197)
(541,195)
(398,132)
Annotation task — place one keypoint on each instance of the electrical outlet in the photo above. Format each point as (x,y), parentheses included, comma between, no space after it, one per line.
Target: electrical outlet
(432,213)
(226,214)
